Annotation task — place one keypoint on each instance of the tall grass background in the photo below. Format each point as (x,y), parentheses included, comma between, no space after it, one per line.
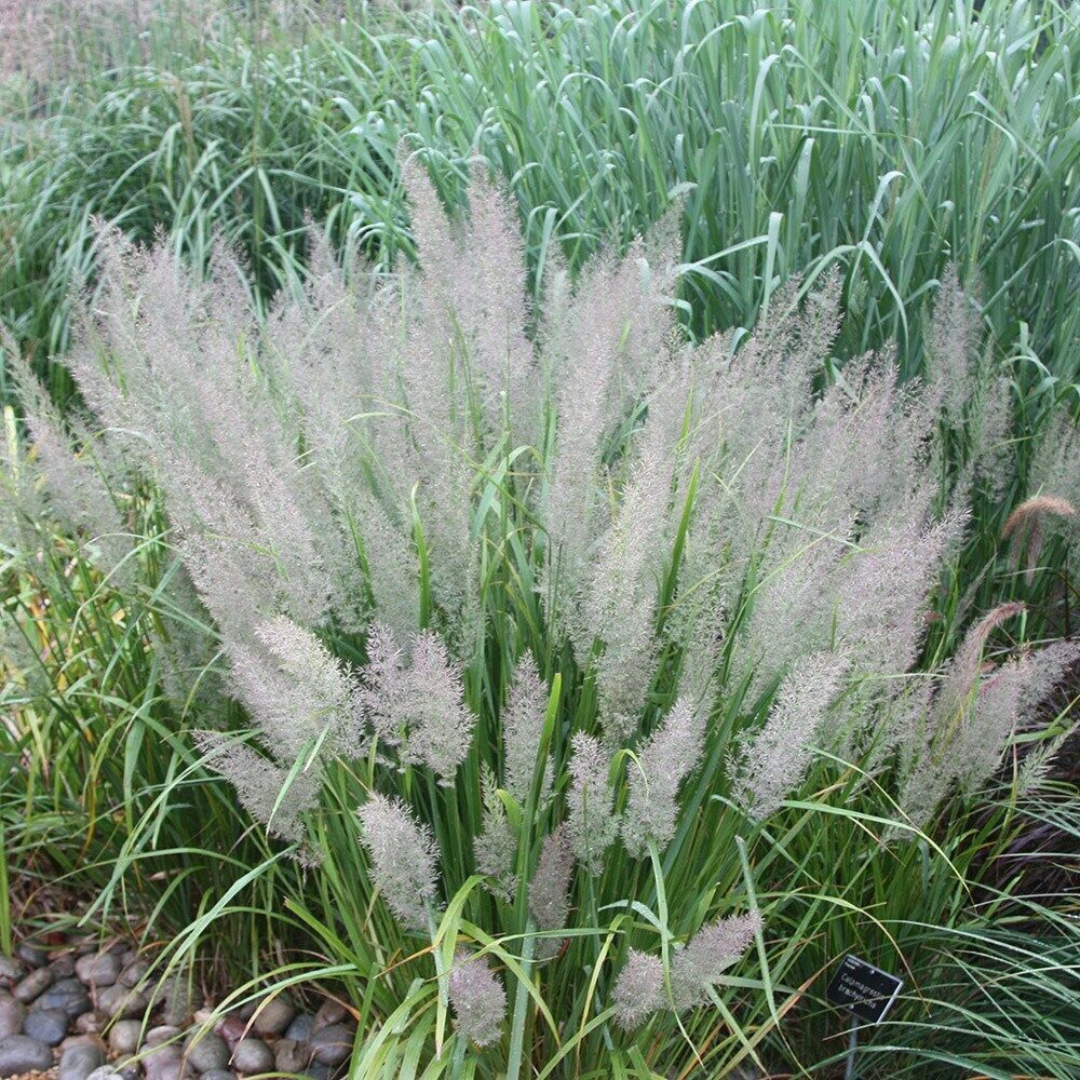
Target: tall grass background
(884,139)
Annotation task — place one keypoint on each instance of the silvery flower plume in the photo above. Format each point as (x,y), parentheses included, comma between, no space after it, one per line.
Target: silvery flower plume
(592,822)
(773,761)
(669,755)
(276,797)
(952,341)
(639,990)
(495,848)
(709,953)
(622,584)
(417,705)
(523,730)
(439,723)
(403,857)
(298,691)
(549,890)
(477,997)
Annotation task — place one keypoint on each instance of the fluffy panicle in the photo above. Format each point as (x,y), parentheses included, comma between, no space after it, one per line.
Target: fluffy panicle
(299,693)
(478,999)
(418,707)
(403,859)
(639,990)
(440,726)
(712,950)
(620,609)
(549,891)
(663,762)
(961,737)
(610,328)
(773,761)
(495,847)
(593,823)
(952,341)
(1028,525)
(523,729)
(274,796)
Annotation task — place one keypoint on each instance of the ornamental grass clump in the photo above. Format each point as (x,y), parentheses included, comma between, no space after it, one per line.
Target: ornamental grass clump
(539,619)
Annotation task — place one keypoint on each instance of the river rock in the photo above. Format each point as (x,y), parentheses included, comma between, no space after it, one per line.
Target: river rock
(106,1072)
(208,1053)
(32,986)
(63,967)
(252,1056)
(31,955)
(91,1023)
(290,1056)
(330,1012)
(274,1016)
(98,969)
(331,1045)
(11,971)
(120,1002)
(78,1062)
(218,1074)
(134,973)
(12,1015)
(301,1028)
(166,1063)
(20,1054)
(46,1025)
(67,994)
(231,1029)
(162,1034)
(124,1036)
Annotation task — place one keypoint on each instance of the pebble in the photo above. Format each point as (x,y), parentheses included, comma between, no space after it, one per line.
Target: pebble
(330,1012)
(78,1062)
(31,955)
(122,1003)
(91,1023)
(178,998)
(134,973)
(208,1053)
(218,1074)
(124,1036)
(231,1029)
(33,985)
(165,1063)
(67,994)
(46,1025)
(12,1015)
(332,1045)
(98,969)
(128,1067)
(290,1056)
(11,971)
(106,1072)
(274,1016)
(252,1056)
(63,967)
(301,1028)
(162,1034)
(20,1053)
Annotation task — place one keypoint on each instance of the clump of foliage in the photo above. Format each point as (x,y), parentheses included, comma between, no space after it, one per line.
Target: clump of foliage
(551,630)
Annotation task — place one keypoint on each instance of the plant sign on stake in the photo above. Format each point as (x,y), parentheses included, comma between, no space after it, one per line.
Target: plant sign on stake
(867,993)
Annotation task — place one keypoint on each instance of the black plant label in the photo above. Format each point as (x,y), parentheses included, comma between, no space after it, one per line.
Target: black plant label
(863,989)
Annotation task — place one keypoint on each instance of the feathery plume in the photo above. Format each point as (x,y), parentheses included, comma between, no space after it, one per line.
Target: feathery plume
(664,761)
(710,952)
(478,998)
(403,859)
(773,761)
(592,823)
(1026,526)
(523,730)
(496,846)
(639,990)
(274,796)
(549,891)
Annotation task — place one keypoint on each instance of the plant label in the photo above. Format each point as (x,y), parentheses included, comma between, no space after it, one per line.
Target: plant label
(863,989)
